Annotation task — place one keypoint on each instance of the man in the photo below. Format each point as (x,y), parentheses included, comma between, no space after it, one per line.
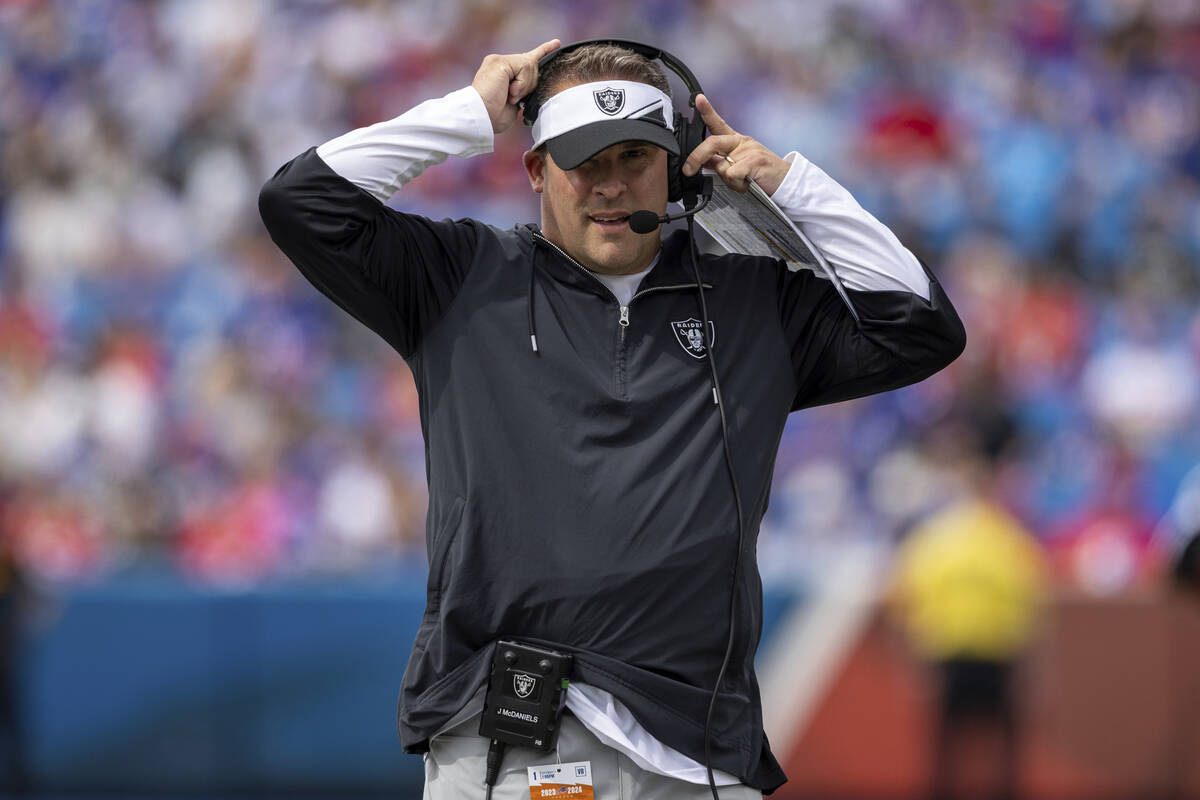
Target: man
(578,488)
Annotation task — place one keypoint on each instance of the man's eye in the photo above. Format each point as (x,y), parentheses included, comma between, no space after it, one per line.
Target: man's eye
(635,153)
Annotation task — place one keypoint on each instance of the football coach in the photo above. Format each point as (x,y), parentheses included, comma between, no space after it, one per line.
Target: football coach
(601,407)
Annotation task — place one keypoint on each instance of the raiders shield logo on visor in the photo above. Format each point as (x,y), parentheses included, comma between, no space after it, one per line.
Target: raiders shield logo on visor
(610,101)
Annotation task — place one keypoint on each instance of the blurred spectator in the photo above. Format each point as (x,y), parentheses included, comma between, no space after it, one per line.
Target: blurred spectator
(968,586)
(1178,534)
(1108,548)
(13,593)
(1186,566)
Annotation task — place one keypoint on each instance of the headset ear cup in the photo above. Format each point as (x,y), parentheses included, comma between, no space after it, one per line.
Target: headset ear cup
(675,176)
(688,135)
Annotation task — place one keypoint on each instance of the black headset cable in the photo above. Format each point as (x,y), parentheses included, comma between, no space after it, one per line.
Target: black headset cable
(737,499)
(494,755)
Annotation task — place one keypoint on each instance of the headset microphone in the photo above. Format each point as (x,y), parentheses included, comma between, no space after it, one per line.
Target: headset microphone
(648,222)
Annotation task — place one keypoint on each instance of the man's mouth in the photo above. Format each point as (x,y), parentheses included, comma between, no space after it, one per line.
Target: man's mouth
(610,221)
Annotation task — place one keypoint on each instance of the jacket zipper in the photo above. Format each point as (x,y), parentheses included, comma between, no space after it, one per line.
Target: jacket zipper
(577,265)
(622,311)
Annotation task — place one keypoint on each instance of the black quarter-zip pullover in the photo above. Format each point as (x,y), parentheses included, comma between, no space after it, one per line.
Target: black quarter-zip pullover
(578,495)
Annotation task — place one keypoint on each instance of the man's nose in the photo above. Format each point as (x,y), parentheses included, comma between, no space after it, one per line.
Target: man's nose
(609,183)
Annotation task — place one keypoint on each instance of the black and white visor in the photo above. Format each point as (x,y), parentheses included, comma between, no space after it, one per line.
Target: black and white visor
(579,122)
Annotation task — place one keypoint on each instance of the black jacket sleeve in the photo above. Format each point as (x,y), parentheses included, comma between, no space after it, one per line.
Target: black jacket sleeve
(396,273)
(901,339)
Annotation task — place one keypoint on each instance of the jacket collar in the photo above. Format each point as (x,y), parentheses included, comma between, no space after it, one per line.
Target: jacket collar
(674,266)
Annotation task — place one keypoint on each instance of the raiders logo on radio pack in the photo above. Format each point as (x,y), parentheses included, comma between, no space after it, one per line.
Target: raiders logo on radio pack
(523,684)
(688,334)
(610,101)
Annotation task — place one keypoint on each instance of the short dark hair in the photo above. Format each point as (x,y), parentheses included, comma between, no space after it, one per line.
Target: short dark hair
(597,62)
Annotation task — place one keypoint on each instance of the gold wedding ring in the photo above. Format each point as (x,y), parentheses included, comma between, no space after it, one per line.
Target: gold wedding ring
(730,160)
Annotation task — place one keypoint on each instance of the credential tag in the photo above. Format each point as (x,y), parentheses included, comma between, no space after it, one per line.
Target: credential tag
(573,780)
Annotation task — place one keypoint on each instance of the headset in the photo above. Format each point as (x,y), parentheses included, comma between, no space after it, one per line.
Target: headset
(689,132)
(693,192)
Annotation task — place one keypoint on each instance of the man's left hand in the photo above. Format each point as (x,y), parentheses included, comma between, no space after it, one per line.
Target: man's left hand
(733,156)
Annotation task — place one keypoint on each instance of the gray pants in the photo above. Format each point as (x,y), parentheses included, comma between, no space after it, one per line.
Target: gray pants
(456,764)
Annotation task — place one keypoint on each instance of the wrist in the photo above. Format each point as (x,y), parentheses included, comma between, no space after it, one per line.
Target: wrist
(789,193)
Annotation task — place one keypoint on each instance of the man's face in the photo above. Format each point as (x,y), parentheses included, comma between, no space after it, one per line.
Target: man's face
(585,211)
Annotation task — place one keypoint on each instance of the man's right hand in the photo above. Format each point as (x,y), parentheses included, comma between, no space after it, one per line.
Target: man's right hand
(503,80)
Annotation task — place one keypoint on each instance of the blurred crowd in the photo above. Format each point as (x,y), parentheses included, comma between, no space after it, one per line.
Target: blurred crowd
(173,393)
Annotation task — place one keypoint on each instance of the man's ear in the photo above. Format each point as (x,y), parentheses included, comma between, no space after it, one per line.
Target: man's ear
(535,167)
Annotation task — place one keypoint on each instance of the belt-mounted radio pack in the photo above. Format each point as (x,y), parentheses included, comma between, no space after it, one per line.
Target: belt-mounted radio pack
(526,693)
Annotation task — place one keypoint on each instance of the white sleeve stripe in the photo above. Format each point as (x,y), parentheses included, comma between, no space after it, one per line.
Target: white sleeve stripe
(381,158)
(864,252)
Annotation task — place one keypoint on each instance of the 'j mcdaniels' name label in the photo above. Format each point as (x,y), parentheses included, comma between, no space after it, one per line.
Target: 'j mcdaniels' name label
(521,715)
